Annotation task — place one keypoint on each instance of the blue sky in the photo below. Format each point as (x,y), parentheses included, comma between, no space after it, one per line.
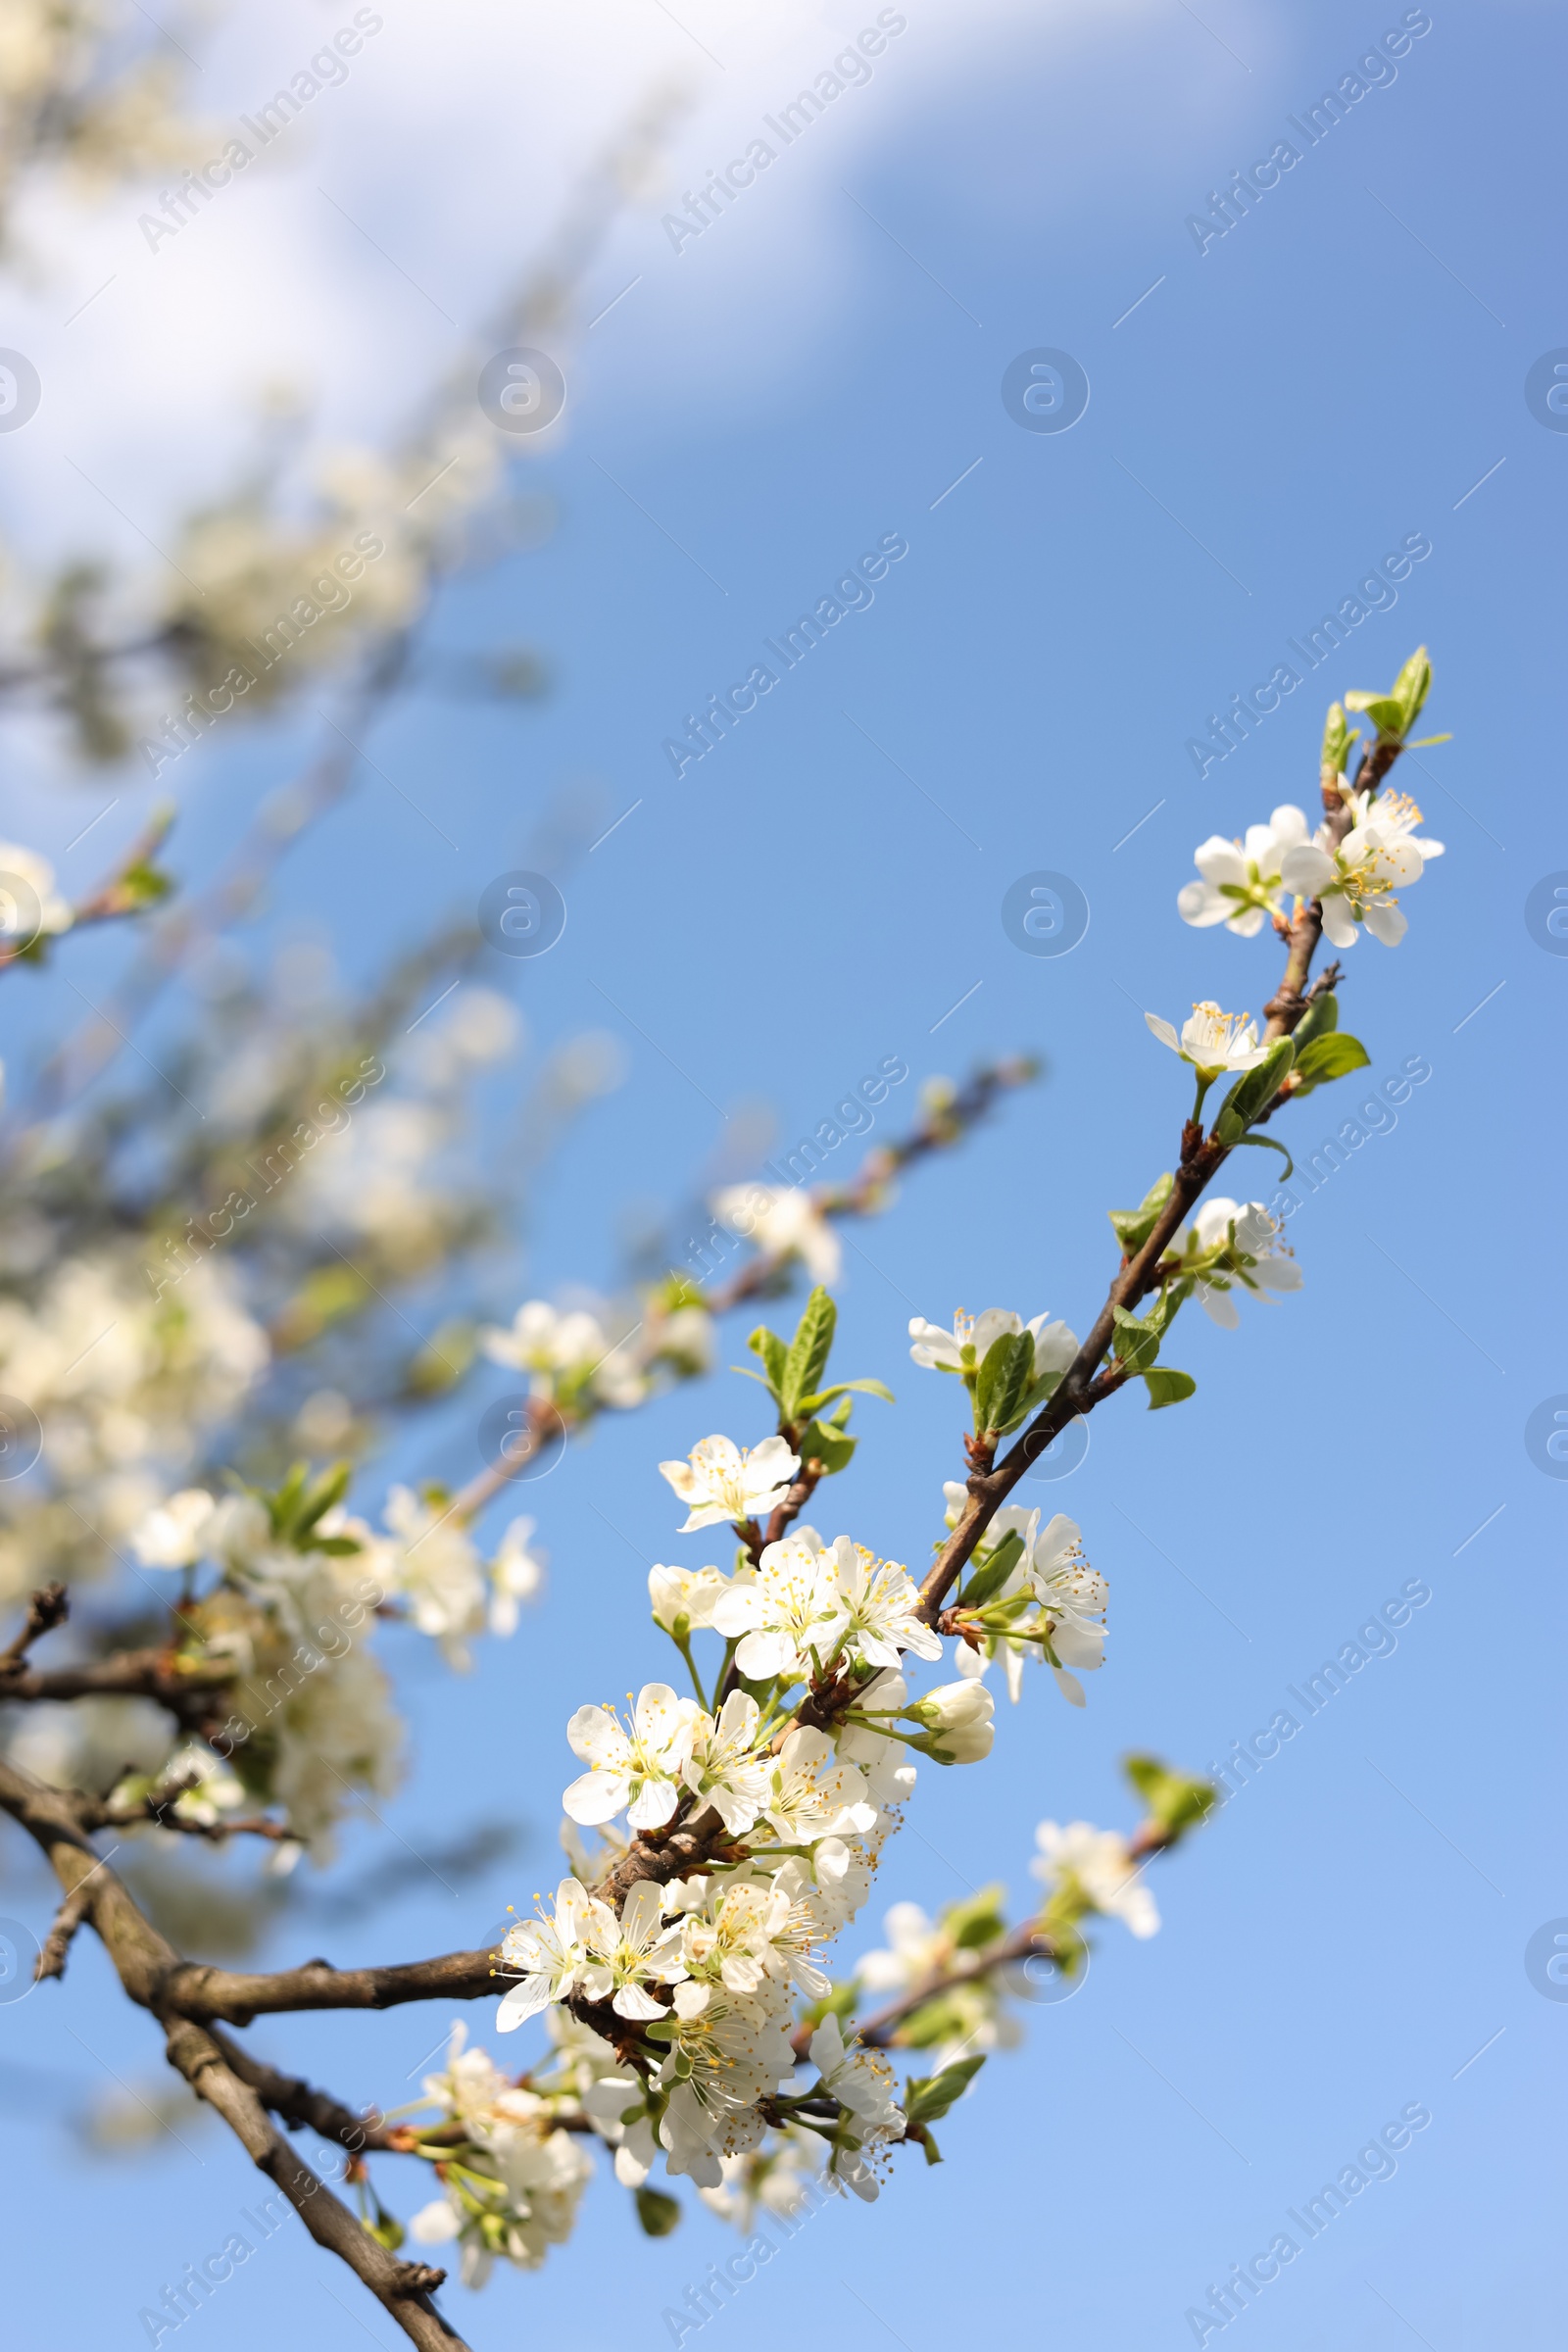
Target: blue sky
(1342,371)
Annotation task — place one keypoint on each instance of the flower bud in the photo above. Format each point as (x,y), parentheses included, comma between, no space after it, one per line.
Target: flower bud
(955,1707)
(958,1716)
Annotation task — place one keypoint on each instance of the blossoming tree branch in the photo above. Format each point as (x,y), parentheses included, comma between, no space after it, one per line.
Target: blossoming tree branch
(724,1829)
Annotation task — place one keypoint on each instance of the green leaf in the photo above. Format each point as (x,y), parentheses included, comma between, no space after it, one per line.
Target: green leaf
(990,1579)
(657,2213)
(1133,1226)
(1253,1090)
(1338,739)
(1002,1378)
(1136,1343)
(926,2100)
(1266,1143)
(1386,713)
(807,1358)
(933,2154)
(771,1347)
(1176,1802)
(1412,686)
(1321,1017)
(977,1921)
(1167,1386)
(819,1442)
(843,1388)
(1328,1057)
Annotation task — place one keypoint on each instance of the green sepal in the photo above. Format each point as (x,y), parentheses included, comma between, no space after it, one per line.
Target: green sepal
(1133,1226)
(994,1575)
(1167,1386)
(657,2213)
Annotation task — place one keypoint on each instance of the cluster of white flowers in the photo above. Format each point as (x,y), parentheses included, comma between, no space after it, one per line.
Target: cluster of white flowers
(707,1967)
(313,1722)
(1249,881)
(126,1388)
(512,2185)
(577,1366)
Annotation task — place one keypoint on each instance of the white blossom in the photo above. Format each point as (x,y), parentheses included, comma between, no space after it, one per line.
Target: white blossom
(786,1612)
(690,1593)
(173,1536)
(719,1481)
(1355,880)
(517,1573)
(433,1562)
(964,1348)
(1100,1863)
(1256,1258)
(1213,1042)
(1242,879)
(812,1793)
(784,1222)
(37,910)
(639,1769)
(722,1766)
(550,1952)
